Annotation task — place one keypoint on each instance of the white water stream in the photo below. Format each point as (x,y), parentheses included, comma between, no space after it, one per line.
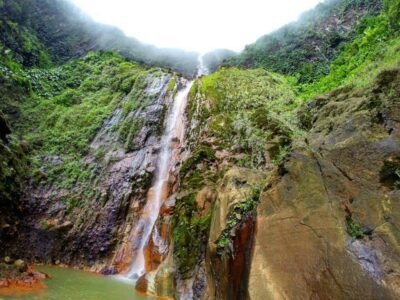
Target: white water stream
(202,69)
(168,156)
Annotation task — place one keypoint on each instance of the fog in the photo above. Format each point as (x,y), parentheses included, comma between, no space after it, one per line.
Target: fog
(196,25)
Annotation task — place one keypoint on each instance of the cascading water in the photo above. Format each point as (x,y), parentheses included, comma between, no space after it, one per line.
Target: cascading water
(159,192)
(170,141)
(202,69)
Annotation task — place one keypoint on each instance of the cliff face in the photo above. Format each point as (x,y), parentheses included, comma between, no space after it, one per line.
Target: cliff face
(300,194)
(276,195)
(326,224)
(91,130)
(318,212)
(239,127)
(73,227)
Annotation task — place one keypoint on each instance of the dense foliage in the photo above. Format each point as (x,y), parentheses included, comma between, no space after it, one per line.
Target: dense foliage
(28,27)
(248,109)
(375,48)
(60,109)
(306,48)
(13,169)
(392,11)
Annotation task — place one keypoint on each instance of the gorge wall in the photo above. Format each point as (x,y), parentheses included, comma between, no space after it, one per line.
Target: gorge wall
(284,187)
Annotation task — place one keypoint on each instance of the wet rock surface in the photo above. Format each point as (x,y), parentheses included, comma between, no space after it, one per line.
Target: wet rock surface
(233,261)
(60,225)
(16,277)
(327,222)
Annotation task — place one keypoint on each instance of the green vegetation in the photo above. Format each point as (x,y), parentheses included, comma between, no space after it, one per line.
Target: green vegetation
(249,109)
(190,224)
(171,85)
(353,58)
(392,11)
(67,110)
(57,112)
(190,231)
(39,32)
(375,48)
(200,154)
(305,49)
(13,168)
(354,229)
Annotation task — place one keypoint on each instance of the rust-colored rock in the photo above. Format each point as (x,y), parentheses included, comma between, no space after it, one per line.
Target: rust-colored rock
(141,285)
(228,271)
(19,279)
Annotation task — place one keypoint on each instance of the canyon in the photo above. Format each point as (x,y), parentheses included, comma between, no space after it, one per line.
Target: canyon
(233,176)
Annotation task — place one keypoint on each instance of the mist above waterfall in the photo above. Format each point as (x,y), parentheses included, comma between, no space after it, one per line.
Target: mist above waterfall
(196,26)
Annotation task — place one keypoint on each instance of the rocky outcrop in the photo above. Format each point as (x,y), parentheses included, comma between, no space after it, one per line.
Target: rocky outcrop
(322,224)
(221,177)
(328,219)
(231,234)
(17,278)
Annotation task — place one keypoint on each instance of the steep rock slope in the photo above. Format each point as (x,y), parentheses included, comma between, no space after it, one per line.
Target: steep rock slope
(92,128)
(328,217)
(300,193)
(239,127)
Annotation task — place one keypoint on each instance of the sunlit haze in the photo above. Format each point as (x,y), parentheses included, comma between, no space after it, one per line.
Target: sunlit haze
(196,25)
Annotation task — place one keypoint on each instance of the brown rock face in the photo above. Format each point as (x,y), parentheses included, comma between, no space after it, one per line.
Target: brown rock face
(228,269)
(327,225)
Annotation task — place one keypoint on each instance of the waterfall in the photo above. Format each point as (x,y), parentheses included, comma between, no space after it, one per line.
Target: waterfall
(202,69)
(168,157)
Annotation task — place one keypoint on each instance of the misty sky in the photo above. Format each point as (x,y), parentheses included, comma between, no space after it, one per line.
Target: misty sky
(196,25)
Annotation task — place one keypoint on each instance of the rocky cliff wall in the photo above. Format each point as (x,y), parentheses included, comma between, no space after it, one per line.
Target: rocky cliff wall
(85,231)
(328,217)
